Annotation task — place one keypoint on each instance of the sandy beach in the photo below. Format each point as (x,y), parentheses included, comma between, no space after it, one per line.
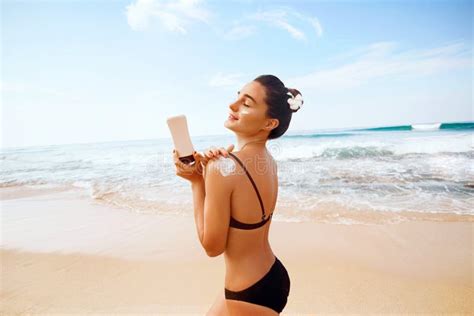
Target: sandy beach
(63,254)
(342,130)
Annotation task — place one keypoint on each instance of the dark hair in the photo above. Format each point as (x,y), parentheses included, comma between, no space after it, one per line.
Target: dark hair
(277,100)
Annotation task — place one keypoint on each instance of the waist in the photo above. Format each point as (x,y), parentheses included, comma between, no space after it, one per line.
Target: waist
(245,269)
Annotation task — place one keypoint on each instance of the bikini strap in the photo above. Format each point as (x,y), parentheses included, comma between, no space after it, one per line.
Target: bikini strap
(253,183)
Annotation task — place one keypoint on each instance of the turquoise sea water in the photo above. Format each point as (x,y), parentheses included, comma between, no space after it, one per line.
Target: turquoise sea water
(398,172)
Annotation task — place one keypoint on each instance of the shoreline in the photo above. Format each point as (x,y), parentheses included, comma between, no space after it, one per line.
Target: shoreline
(330,213)
(65,255)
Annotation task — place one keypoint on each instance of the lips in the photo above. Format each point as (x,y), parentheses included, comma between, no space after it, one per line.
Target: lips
(233,117)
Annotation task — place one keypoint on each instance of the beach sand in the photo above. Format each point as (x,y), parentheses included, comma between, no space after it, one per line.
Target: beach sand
(64,254)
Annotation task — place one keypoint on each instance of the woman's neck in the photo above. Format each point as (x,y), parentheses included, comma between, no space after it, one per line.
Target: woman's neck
(254,141)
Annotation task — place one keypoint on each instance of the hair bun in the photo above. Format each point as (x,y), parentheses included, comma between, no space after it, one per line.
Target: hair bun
(296,100)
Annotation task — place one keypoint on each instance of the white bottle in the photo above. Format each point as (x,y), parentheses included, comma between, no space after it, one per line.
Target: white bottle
(182,142)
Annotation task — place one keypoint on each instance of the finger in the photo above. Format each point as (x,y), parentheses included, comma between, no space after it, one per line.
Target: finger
(175,156)
(204,160)
(230,147)
(211,149)
(203,156)
(176,159)
(197,156)
(223,151)
(177,162)
(199,161)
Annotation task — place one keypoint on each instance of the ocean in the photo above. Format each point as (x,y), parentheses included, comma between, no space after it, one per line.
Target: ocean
(345,176)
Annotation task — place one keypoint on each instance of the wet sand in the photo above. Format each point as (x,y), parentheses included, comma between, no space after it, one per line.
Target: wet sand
(63,254)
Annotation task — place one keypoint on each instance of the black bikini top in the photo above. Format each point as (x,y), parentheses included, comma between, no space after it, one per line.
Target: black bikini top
(235,223)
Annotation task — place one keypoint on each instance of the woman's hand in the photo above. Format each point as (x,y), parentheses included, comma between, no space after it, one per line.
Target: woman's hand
(192,172)
(197,170)
(215,153)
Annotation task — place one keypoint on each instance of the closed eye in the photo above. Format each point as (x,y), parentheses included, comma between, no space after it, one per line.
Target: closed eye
(246,95)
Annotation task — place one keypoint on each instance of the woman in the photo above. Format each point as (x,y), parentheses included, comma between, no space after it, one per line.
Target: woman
(234,196)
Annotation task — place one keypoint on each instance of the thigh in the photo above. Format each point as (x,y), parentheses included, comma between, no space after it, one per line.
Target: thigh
(219,307)
(244,308)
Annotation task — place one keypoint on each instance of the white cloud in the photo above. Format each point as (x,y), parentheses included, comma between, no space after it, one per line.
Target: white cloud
(296,33)
(139,14)
(226,80)
(317,26)
(286,19)
(190,9)
(174,15)
(379,61)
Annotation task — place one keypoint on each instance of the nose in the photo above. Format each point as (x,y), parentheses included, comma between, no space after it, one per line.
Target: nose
(234,106)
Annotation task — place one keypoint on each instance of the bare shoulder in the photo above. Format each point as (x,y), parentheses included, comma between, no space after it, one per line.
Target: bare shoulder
(221,170)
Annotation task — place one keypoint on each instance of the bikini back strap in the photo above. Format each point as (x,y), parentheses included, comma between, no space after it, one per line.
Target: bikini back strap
(253,183)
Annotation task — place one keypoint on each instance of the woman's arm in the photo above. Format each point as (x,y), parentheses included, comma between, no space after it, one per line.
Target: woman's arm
(199,195)
(211,198)
(194,174)
(211,212)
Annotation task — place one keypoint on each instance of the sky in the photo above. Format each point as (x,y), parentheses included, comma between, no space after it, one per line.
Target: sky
(95,71)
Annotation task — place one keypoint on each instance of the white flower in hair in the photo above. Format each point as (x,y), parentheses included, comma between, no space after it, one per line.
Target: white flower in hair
(295,102)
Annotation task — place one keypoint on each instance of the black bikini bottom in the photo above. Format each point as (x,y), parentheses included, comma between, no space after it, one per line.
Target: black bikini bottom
(271,290)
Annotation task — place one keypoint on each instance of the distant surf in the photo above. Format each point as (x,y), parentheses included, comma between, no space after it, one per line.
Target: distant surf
(424,126)
(458,126)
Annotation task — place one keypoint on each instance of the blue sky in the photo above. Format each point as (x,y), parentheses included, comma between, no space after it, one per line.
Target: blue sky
(93,71)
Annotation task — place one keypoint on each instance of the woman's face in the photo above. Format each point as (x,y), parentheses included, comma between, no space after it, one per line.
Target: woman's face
(247,114)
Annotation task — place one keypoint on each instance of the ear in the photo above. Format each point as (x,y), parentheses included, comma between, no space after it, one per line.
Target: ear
(271,124)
